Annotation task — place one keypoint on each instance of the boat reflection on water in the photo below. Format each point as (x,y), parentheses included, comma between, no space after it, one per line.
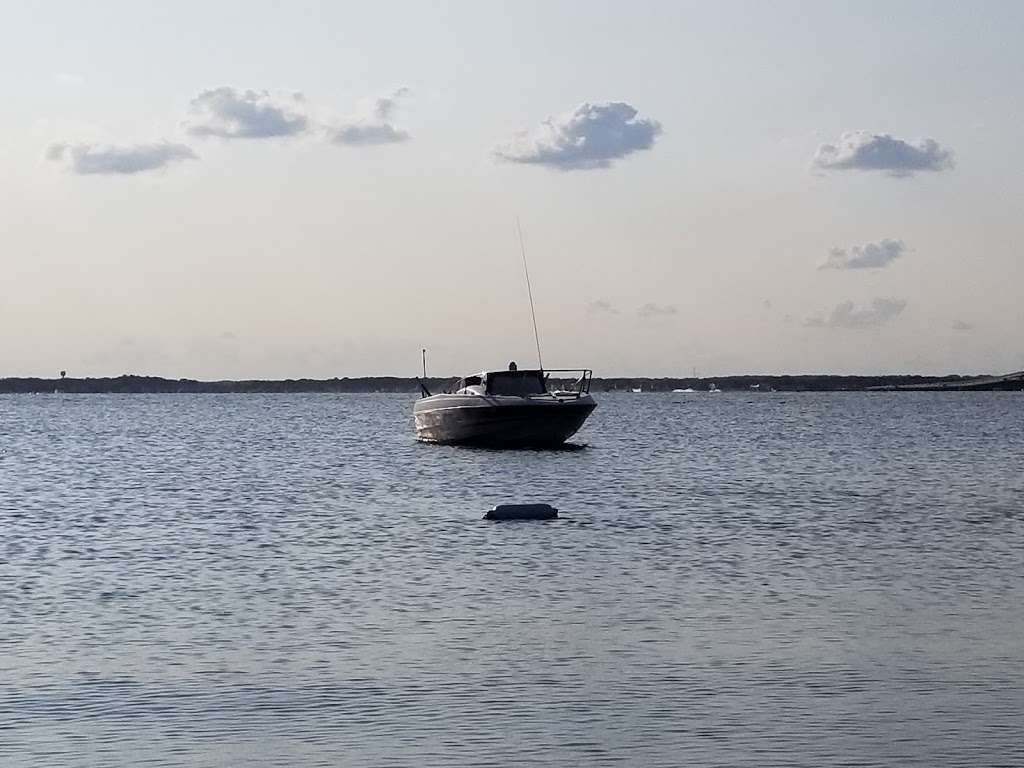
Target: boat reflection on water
(507,409)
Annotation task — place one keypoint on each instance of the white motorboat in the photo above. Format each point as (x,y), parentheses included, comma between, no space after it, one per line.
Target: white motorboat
(510,408)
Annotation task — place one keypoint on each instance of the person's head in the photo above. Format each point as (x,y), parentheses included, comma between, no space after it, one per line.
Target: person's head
(512,366)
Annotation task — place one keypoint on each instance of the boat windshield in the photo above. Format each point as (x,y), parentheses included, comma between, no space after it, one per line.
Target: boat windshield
(517,383)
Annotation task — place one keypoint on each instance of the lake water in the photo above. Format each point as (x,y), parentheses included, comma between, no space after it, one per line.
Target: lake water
(737,580)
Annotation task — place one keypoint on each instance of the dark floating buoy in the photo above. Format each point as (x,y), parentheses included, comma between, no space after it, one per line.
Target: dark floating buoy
(521,512)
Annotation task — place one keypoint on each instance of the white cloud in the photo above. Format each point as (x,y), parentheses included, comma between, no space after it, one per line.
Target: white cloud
(87,159)
(867,256)
(847,315)
(374,125)
(591,136)
(234,114)
(865,151)
(367,134)
(68,79)
(602,307)
(651,310)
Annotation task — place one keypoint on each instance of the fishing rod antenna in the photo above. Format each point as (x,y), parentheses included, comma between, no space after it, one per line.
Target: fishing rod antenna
(423,382)
(529,291)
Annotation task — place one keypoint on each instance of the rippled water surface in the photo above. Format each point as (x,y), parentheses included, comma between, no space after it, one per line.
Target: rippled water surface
(738,580)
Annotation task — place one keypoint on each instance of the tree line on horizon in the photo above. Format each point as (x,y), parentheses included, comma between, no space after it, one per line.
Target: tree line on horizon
(395,384)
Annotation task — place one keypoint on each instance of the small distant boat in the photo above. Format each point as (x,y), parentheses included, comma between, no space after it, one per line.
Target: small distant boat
(512,409)
(636,390)
(713,389)
(682,391)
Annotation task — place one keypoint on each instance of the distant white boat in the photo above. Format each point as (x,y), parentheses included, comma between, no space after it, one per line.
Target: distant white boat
(637,389)
(682,391)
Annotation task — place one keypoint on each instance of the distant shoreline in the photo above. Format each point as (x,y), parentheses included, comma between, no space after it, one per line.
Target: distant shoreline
(129,384)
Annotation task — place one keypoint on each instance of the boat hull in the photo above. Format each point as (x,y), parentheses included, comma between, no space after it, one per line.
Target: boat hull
(500,421)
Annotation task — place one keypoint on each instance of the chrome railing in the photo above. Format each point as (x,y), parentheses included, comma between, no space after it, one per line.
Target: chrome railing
(578,385)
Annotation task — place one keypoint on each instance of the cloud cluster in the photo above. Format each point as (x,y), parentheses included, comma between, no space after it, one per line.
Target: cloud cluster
(591,136)
(849,316)
(866,151)
(868,256)
(85,159)
(648,311)
(601,307)
(652,310)
(231,113)
(234,114)
(375,126)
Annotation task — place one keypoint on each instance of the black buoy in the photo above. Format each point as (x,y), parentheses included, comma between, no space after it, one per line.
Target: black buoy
(521,512)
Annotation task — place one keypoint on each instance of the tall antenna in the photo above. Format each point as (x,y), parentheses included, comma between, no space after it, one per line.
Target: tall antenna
(423,382)
(529,290)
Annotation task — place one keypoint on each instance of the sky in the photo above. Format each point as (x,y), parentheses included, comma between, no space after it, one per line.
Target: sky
(281,190)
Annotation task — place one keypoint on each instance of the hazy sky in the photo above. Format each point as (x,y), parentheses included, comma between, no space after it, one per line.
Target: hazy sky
(268,189)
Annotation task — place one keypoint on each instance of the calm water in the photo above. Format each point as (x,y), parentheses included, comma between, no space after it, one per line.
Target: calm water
(765,580)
